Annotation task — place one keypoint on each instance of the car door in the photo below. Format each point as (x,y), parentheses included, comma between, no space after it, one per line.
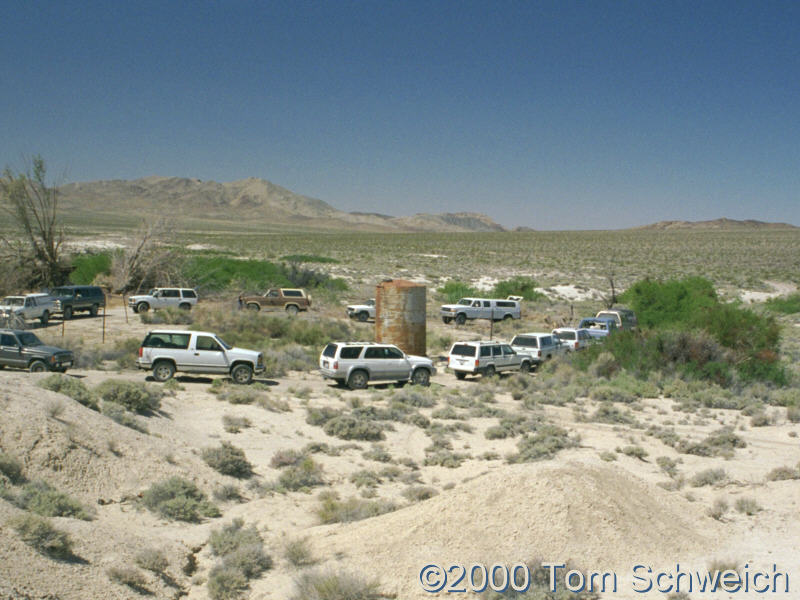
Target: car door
(510,358)
(397,364)
(10,352)
(375,357)
(209,356)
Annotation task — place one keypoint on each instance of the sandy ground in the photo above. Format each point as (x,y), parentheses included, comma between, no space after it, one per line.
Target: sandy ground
(599,515)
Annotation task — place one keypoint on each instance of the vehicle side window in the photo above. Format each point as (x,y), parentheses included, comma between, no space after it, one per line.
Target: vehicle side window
(272,294)
(293,293)
(330,351)
(176,341)
(507,350)
(487,304)
(189,294)
(486,351)
(171,294)
(205,342)
(375,353)
(547,341)
(477,303)
(350,352)
(394,353)
(497,351)
(28,301)
(6,339)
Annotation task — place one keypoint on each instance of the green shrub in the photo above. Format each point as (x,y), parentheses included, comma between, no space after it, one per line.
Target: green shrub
(134,396)
(11,468)
(43,499)
(233,536)
(303,258)
(517,286)
(298,553)
(286,458)
(454,290)
(243,558)
(304,475)
(634,452)
(228,460)
(788,304)
(69,386)
(228,493)
(335,586)
(169,315)
(347,427)
(226,583)
(333,510)
(38,533)
(118,414)
(722,442)
(86,267)
(178,499)
(543,443)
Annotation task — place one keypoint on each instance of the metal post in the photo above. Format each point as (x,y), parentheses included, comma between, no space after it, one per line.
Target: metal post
(125,306)
(105,304)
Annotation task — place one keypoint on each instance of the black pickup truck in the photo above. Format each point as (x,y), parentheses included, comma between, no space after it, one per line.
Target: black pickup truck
(23,350)
(70,299)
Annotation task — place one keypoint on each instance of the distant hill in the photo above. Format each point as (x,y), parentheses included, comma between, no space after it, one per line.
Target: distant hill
(720,224)
(254,202)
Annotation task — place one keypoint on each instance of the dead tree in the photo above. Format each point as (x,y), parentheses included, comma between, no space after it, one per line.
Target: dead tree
(147,261)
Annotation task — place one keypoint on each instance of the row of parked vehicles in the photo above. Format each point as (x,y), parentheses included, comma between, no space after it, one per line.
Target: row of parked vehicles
(62,301)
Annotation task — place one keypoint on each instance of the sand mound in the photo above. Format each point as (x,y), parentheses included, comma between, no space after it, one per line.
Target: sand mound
(595,515)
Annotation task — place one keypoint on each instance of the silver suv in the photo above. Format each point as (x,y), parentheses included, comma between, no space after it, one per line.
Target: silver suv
(485,358)
(355,364)
(183,298)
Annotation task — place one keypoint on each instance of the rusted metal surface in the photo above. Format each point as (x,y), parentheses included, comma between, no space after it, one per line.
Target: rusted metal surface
(400,315)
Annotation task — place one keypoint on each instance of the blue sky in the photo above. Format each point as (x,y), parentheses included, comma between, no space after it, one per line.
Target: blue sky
(552,115)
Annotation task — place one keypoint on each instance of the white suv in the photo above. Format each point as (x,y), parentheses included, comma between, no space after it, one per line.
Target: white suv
(163,297)
(486,359)
(355,364)
(481,308)
(539,346)
(166,351)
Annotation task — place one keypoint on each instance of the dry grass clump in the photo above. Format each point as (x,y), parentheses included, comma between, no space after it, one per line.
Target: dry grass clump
(228,493)
(152,560)
(747,506)
(130,577)
(335,586)
(783,473)
(233,424)
(242,558)
(708,477)
(70,386)
(333,510)
(634,452)
(179,499)
(418,493)
(40,534)
(718,509)
(414,397)
(228,460)
(539,588)
(286,458)
(668,465)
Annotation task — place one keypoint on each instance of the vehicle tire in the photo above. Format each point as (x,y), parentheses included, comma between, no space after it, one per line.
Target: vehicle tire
(142,307)
(37,366)
(242,374)
(506,317)
(461,318)
(489,371)
(363,316)
(45,318)
(447,320)
(67,313)
(292,310)
(185,306)
(421,377)
(525,367)
(254,306)
(358,380)
(340,383)
(460,375)
(94,309)
(163,370)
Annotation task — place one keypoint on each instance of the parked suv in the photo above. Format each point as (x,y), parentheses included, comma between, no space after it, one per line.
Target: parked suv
(166,351)
(481,308)
(290,300)
(183,298)
(599,327)
(70,299)
(625,317)
(539,346)
(28,307)
(23,350)
(362,312)
(485,358)
(355,364)
(573,339)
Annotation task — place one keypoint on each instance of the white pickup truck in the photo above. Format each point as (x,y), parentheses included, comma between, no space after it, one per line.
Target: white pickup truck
(166,351)
(362,312)
(481,308)
(29,307)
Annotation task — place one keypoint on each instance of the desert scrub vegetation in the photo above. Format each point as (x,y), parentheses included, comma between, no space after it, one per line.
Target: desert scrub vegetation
(41,535)
(241,557)
(153,560)
(11,468)
(359,424)
(708,477)
(747,506)
(232,424)
(130,577)
(298,553)
(69,386)
(118,414)
(301,476)
(180,500)
(543,443)
(539,588)
(335,586)
(333,510)
(169,315)
(43,499)
(784,473)
(228,460)
(788,305)
(722,442)
(132,395)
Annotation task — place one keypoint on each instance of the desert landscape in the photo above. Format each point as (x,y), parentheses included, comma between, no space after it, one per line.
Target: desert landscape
(292,487)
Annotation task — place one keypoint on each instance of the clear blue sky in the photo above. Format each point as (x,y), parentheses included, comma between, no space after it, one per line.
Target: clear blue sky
(554,115)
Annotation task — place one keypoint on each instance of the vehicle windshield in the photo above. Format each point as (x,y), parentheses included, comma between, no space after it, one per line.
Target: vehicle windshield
(152,292)
(465,301)
(28,339)
(525,341)
(13,301)
(224,345)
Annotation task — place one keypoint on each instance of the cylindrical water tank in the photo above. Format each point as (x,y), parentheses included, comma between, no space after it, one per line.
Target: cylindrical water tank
(400,315)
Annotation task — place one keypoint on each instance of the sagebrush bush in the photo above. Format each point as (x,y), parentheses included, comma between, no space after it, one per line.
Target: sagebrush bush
(153,560)
(708,477)
(134,396)
(333,510)
(747,506)
(43,499)
(118,414)
(298,553)
(40,534)
(11,468)
(233,424)
(783,474)
(233,536)
(179,499)
(306,474)
(543,443)
(242,557)
(69,386)
(418,493)
(335,586)
(228,460)
(722,442)
(348,427)
(128,576)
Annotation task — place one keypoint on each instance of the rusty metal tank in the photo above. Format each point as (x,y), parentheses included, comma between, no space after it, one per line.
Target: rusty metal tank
(400,315)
